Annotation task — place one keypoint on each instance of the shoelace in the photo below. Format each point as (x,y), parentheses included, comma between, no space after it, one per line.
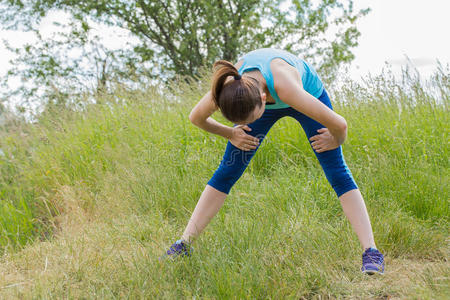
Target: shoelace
(372,257)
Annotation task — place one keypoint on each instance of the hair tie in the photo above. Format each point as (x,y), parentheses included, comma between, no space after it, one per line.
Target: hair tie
(237,77)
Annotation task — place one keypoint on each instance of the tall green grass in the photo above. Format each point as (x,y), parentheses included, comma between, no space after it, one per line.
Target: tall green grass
(136,167)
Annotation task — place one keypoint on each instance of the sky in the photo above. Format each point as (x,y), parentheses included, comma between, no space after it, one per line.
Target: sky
(393,30)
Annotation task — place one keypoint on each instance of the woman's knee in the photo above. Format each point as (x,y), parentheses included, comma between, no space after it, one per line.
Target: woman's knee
(340,178)
(231,168)
(341,182)
(336,170)
(225,177)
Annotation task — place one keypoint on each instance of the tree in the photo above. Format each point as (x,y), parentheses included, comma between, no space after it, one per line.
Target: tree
(181,36)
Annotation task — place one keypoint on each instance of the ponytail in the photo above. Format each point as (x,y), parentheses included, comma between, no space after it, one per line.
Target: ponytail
(236,99)
(222,69)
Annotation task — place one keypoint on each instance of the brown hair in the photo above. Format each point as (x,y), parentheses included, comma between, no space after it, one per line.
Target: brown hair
(239,97)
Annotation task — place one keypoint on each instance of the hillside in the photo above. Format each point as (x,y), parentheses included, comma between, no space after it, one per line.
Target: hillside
(91,198)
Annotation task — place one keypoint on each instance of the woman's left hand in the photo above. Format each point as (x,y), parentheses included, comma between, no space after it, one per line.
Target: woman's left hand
(324,141)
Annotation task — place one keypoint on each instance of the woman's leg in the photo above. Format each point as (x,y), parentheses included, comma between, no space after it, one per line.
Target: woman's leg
(341,179)
(355,209)
(207,207)
(232,166)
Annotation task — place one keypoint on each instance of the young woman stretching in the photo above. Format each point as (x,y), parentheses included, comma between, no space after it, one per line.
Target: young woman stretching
(264,86)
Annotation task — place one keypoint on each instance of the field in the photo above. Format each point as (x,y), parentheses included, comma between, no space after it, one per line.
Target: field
(91,197)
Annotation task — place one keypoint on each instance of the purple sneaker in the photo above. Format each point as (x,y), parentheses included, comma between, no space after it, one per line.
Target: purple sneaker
(179,248)
(373,262)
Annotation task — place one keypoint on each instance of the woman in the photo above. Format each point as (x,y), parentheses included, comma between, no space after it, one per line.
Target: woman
(264,86)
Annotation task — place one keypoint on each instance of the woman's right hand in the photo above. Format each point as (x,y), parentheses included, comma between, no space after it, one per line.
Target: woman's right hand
(242,140)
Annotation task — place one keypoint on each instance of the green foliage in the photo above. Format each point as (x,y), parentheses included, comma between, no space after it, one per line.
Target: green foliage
(58,69)
(172,38)
(189,34)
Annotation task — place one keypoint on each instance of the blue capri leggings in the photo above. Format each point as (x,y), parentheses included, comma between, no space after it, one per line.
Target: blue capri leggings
(235,160)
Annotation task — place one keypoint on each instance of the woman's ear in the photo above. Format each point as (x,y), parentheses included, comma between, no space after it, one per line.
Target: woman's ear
(263,97)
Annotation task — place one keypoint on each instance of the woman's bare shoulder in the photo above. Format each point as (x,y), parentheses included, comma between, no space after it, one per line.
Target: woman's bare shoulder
(281,68)
(279,64)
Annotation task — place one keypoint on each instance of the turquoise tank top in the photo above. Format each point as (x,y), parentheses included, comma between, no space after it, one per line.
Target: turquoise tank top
(260,59)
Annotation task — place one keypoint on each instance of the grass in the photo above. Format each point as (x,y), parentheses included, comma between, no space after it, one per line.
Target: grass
(91,199)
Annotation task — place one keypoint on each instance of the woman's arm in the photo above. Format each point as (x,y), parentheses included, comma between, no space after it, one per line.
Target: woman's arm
(200,117)
(288,86)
